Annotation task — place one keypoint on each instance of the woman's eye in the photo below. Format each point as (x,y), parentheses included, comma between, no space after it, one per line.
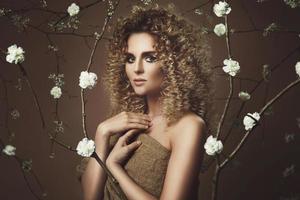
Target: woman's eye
(151,58)
(130,60)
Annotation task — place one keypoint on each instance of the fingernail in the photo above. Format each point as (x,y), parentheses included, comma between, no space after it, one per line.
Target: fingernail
(139,142)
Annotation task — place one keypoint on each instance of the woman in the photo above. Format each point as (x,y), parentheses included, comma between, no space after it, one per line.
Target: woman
(158,78)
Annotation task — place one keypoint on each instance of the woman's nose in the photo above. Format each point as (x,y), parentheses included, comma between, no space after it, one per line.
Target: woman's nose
(138,66)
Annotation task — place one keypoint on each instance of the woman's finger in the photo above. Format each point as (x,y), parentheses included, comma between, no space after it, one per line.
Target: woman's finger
(132,146)
(138,120)
(125,138)
(139,116)
(128,119)
(130,133)
(137,126)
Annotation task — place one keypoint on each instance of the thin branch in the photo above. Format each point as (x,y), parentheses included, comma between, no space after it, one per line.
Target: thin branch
(273,100)
(230,83)
(25,75)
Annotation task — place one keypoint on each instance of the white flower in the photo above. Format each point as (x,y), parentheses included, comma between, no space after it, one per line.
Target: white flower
(213,146)
(221,9)
(220,29)
(9,150)
(297,67)
(147,2)
(198,11)
(244,95)
(86,147)
(73,9)
(15,114)
(87,79)
(249,122)
(292,3)
(56,92)
(15,54)
(231,67)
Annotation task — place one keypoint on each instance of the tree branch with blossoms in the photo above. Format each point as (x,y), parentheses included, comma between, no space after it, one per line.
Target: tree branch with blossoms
(213,146)
(87,79)
(10,151)
(61,20)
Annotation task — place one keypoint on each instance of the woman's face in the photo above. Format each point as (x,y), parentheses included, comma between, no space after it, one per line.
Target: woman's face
(142,63)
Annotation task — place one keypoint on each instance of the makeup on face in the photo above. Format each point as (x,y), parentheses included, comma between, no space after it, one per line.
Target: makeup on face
(142,66)
(149,56)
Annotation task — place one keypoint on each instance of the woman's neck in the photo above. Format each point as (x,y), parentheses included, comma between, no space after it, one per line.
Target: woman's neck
(154,107)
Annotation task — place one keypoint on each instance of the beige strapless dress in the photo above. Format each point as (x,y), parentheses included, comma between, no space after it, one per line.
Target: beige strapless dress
(147,166)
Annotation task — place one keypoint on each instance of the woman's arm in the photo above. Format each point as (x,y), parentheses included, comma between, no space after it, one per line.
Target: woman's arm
(94,178)
(183,168)
(186,159)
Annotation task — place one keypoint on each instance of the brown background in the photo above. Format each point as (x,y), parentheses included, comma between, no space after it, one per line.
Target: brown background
(256,172)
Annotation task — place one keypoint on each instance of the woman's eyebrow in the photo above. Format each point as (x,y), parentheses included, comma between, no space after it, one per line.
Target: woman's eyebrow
(143,54)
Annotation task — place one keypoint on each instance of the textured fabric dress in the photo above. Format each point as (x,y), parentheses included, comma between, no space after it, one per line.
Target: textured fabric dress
(147,166)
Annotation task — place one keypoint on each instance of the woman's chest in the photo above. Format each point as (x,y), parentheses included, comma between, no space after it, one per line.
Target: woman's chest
(161,133)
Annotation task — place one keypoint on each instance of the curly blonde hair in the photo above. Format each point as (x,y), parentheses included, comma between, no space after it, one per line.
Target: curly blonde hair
(184,52)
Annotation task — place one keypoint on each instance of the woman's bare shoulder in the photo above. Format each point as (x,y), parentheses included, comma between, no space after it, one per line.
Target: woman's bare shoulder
(189,119)
(189,124)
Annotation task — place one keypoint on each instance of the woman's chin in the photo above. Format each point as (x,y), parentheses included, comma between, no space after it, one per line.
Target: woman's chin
(139,93)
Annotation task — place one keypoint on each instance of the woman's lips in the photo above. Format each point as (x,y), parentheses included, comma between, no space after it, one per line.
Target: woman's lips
(139,82)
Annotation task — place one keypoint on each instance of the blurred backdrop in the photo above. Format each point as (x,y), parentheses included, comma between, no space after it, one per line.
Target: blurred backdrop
(265,41)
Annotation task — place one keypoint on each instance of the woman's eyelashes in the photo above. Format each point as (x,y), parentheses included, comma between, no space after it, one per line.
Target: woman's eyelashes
(150,59)
(129,59)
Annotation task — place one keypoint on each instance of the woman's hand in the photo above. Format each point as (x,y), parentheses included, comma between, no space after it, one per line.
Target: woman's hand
(121,123)
(122,149)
